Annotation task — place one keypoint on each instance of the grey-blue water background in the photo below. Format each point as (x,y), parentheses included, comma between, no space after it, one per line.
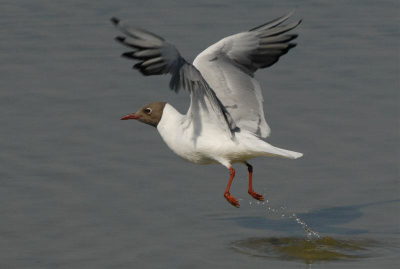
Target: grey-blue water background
(81,189)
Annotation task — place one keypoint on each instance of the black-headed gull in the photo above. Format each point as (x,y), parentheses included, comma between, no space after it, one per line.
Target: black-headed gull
(225,120)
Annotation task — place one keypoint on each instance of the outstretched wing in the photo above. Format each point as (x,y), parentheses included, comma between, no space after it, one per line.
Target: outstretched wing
(156,56)
(229,66)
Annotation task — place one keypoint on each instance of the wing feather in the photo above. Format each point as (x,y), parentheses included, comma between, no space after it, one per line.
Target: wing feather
(156,57)
(229,66)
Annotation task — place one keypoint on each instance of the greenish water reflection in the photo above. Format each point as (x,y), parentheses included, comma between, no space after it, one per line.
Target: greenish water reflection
(307,250)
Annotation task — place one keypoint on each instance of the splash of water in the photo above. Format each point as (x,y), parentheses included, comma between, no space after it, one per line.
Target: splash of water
(310,232)
(283,213)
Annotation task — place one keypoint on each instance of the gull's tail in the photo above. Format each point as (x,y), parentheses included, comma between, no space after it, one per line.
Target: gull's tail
(274,151)
(262,148)
(265,149)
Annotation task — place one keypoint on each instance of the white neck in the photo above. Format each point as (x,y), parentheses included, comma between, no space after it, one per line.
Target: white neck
(170,120)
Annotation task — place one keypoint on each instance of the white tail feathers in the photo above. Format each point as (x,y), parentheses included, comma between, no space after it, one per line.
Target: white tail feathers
(262,148)
(274,151)
(295,154)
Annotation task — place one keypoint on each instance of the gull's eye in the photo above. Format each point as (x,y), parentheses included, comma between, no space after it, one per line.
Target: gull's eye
(147,110)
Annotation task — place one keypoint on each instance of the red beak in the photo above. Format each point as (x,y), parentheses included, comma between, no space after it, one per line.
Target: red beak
(131,116)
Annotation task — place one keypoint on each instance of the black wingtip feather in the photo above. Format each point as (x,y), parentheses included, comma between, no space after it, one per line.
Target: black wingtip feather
(145,72)
(299,21)
(115,20)
(137,66)
(120,39)
(128,55)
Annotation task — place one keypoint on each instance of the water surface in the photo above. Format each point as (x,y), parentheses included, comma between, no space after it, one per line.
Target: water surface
(81,189)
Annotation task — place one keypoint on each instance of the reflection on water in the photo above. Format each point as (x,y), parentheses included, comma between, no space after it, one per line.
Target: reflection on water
(304,249)
(314,247)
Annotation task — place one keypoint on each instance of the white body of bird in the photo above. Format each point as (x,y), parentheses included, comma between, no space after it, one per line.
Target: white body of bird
(210,145)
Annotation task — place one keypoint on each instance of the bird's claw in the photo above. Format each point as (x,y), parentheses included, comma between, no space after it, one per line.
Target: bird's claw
(255,195)
(232,200)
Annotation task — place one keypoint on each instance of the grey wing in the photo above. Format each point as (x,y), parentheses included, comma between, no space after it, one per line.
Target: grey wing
(229,66)
(156,57)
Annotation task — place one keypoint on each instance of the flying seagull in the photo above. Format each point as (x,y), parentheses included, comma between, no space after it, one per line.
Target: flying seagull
(225,122)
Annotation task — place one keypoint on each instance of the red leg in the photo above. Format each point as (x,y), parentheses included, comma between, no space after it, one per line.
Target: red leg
(251,191)
(232,200)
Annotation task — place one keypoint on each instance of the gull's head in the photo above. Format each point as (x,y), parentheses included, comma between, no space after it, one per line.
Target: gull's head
(150,114)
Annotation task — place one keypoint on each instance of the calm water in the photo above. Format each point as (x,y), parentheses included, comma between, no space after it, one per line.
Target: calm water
(81,189)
